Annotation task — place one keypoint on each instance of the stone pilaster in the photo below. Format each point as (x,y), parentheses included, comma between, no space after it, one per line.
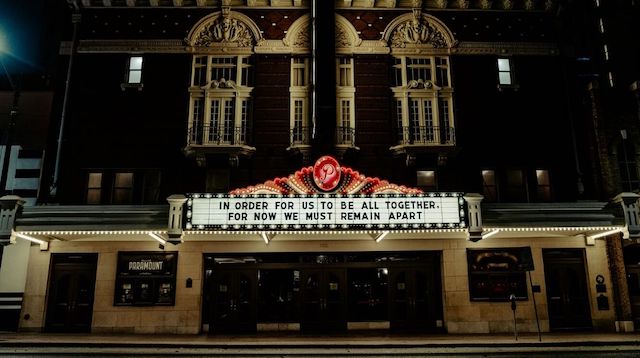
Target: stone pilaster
(622,302)
(474,213)
(176,206)
(10,209)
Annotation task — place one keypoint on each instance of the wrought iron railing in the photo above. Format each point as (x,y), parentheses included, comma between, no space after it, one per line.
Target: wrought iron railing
(427,135)
(300,135)
(216,135)
(346,136)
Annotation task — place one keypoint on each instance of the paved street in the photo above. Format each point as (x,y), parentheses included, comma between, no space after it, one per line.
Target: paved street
(289,345)
(568,352)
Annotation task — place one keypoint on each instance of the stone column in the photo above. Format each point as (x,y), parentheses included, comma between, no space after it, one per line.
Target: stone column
(622,301)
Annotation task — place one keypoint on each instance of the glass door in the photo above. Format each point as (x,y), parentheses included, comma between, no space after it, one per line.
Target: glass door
(71,294)
(414,301)
(323,300)
(567,295)
(234,301)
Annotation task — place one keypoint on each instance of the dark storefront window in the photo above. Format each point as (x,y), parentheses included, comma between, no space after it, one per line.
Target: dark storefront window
(145,279)
(368,294)
(278,290)
(496,274)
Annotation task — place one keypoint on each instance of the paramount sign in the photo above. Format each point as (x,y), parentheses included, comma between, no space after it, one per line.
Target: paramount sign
(334,211)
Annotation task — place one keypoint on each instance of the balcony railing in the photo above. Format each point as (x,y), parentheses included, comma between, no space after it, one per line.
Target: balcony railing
(427,135)
(346,136)
(300,136)
(216,135)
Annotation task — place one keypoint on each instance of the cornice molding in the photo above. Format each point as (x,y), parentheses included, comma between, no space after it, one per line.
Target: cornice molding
(458,5)
(278,47)
(126,46)
(506,48)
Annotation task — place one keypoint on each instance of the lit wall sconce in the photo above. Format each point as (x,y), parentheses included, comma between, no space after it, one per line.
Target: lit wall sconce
(379,237)
(158,238)
(44,244)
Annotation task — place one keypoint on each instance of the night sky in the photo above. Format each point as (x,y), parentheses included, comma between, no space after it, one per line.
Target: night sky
(24,26)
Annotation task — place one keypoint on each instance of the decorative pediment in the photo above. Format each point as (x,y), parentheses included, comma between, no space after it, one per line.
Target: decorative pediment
(417,30)
(298,36)
(346,35)
(326,176)
(225,29)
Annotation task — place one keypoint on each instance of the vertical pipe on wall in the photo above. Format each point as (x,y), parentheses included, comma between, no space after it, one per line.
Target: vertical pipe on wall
(314,42)
(324,73)
(75,19)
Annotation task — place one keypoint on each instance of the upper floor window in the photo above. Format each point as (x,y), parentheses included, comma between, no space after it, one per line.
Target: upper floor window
(489,185)
(627,165)
(94,188)
(426,180)
(217,181)
(220,100)
(505,72)
(123,188)
(423,100)
(345,101)
(134,70)
(217,71)
(543,185)
(515,188)
(299,101)
(344,73)
(151,187)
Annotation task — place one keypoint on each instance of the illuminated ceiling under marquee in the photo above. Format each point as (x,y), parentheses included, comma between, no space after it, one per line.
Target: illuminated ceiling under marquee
(325,195)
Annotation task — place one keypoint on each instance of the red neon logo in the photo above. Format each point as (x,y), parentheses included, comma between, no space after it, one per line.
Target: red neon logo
(326,173)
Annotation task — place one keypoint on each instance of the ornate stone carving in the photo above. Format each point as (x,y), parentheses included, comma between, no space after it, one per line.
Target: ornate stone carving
(418,31)
(225,30)
(507,4)
(530,4)
(486,4)
(463,4)
(441,4)
(303,39)
(422,84)
(342,40)
(549,5)
(220,83)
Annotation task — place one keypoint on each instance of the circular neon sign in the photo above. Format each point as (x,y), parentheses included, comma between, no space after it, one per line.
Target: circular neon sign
(326,173)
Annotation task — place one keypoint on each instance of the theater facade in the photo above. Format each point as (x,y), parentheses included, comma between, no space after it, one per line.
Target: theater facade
(228,166)
(323,250)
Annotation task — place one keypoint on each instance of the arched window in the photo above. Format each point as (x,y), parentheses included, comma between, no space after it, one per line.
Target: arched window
(221,84)
(422,88)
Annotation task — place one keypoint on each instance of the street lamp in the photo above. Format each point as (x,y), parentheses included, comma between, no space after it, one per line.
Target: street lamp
(13,115)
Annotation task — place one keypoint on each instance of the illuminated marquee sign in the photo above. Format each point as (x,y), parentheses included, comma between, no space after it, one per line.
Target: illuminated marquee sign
(271,211)
(325,195)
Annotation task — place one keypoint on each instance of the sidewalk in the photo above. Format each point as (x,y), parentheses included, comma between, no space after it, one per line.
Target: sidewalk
(364,340)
